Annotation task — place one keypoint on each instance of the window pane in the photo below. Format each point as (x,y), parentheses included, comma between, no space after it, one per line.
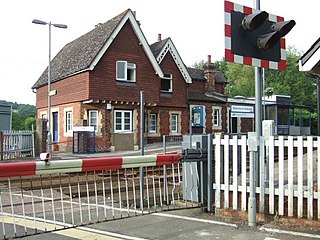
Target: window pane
(123,120)
(216,117)
(166,85)
(174,123)
(153,123)
(121,70)
(68,121)
(93,119)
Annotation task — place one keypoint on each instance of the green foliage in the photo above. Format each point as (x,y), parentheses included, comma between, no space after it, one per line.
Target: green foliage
(292,82)
(29,121)
(17,121)
(23,115)
(199,65)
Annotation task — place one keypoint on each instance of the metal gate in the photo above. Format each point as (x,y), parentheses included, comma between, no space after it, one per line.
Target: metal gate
(42,196)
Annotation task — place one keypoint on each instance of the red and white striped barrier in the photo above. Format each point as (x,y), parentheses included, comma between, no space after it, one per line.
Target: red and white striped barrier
(85,165)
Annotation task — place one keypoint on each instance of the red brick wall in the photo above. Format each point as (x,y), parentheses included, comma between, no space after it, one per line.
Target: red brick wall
(178,97)
(197,87)
(247,125)
(71,89)
(103,84)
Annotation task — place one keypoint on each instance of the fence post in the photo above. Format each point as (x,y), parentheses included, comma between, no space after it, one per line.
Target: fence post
(33,141)
(142,148)
(253,150)
(1,145)
(210,174)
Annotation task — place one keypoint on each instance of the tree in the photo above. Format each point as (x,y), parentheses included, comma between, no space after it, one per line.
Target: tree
(298,85)
(17,121)
(28,122)
(292,82)
(23,115)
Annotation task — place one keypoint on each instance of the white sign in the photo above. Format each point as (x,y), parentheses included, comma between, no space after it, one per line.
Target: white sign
(83,129)
(244,111)
(242,108)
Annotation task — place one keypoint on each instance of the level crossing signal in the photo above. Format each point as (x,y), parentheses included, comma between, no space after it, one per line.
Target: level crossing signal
(255,37)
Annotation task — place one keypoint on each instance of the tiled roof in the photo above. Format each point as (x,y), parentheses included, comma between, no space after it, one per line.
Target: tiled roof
(158,46)
(198,74)
(79,54)
(216,97)
(220,78)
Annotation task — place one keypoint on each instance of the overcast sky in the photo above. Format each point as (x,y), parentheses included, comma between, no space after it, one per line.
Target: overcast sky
(196,28)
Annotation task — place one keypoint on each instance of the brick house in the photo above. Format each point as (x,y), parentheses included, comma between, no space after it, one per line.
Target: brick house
(208,103)
(97,80)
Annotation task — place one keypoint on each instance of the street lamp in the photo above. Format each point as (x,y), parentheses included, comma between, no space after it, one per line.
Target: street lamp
(36,21)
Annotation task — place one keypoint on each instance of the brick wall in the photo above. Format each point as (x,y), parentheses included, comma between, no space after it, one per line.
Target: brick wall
(71,89)
(126,47)
(178,97)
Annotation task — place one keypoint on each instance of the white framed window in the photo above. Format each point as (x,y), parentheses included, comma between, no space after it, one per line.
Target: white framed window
(122,121)
(69,121)
(217,117)
(125,71)
(153,123)
(93,119)
(166,83)
(174,123)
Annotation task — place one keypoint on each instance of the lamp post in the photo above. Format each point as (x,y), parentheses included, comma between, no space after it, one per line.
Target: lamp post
(36,21)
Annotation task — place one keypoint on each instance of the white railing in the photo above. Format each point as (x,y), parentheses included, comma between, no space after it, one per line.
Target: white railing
(289,175)
(17,144)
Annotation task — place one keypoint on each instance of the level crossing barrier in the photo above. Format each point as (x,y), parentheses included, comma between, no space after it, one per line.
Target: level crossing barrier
(37,197)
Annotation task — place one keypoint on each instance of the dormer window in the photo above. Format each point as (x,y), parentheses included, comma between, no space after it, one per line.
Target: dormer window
(126,71)
(166,83)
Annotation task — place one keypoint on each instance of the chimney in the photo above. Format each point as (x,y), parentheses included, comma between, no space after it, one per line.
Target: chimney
(209,74)
(159,37)
(135,17)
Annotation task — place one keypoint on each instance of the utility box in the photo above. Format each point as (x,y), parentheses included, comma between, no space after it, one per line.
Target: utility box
(5,117)
(194,188)
(268,128)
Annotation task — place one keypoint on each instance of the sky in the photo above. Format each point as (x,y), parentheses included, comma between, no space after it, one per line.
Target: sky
(195,27)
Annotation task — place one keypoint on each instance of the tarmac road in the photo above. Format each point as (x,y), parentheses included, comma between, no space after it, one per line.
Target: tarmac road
(173,225)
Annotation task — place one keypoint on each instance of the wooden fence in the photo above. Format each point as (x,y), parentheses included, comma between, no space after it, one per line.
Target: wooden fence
(289,175)
(16,144)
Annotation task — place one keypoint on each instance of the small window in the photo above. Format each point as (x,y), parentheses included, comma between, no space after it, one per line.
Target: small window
(126,71)
(174,123)
(216,118)
(166,83)
(93,119)
(153,123)
(68,122)
(123,121)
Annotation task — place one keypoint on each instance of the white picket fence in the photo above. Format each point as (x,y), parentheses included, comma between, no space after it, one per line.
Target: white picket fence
(289,175)
(17,144)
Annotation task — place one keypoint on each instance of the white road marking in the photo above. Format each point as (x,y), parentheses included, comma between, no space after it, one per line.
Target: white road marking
(195,219)
(82,233)
(273,230)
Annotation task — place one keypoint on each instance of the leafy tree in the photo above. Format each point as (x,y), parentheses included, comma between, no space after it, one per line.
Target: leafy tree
(17,121)
(199,65)
(23,115)
(292,82)
(29,121)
